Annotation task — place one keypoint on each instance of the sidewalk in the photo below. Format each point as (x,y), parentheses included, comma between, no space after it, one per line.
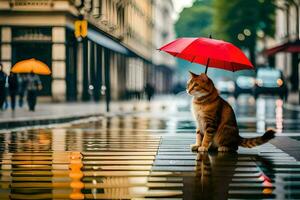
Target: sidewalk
(293,98)
(293,102)
(49,113)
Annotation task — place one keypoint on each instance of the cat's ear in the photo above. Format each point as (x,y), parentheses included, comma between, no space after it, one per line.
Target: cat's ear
(193,75)
(204,77)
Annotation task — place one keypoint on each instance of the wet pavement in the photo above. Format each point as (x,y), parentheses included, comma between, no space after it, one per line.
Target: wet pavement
(146,155)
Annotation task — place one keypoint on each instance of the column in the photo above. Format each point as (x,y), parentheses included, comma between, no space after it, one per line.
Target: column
(71,67)
(79,70)
(58,64)
(85,71)
(6,38)
(98,72)
(295,75)
(107,77)
(92,67)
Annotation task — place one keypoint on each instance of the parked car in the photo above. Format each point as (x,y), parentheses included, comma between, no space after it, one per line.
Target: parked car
(177,88)
(225,86)
(244,85)
(270,81)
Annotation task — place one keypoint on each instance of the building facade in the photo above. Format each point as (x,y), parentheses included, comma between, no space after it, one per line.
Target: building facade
(283,50)
(163,33)
(114,59)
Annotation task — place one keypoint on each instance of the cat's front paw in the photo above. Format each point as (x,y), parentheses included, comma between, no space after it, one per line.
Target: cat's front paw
(202,149)
(194,147)
(202,156)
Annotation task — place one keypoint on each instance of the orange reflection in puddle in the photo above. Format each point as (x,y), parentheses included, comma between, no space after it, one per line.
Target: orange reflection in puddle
(268,186)
(76,175)
(267,191)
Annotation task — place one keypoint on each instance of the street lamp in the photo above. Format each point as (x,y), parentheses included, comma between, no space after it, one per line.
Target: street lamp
(241,37)
(80,32)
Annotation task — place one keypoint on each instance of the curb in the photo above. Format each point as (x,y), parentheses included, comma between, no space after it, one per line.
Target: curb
(22,123)
(36,122)
(289,106)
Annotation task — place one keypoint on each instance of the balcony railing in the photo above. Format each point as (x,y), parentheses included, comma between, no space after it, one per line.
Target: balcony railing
(31,3)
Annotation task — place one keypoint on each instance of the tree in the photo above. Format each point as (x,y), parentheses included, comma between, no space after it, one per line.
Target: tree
(241,21)
(195,21)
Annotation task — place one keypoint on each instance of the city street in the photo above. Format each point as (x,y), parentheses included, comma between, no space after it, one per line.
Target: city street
(95,99)
(146,154)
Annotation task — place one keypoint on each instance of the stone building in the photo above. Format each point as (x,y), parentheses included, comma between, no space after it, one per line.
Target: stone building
(115,57)
(163,33)
(283,50)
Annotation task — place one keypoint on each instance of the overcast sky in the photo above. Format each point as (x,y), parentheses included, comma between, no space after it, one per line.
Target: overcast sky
(180,4)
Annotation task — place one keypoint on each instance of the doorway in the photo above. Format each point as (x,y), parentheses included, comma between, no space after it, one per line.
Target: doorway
(39,51)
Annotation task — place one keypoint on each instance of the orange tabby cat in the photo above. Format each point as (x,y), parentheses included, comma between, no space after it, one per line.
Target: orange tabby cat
(216,122)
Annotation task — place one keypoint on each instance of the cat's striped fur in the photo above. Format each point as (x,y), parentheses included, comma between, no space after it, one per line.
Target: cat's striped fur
(216,122)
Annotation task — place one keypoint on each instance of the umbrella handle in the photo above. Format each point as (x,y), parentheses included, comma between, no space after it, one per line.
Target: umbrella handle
(207,66)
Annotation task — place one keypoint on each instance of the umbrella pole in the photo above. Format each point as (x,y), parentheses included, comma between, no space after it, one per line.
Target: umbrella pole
(207,66)
(207,59)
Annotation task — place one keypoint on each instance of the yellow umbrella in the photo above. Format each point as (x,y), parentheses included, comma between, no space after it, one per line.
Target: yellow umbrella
(31,65)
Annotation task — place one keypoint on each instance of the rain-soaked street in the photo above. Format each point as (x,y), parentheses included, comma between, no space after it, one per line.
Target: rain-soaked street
(146,154)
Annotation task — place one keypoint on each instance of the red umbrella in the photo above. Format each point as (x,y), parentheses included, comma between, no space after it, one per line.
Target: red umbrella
(209,52)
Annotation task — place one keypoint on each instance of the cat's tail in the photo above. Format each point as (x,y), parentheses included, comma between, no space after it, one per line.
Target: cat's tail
(252,142)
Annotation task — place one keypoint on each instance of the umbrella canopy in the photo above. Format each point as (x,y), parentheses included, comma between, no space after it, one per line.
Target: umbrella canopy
(31,65)
(209,52)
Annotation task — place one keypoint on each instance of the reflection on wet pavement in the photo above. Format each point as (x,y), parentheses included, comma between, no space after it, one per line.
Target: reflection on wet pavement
(147,155)
(64,164)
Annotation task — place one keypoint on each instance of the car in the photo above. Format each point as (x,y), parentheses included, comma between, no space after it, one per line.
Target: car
(244,85)
(178,87)
(270,81)
(225,86)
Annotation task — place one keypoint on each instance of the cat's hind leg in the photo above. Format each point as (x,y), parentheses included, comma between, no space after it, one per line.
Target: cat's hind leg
(224,149)
(194,147)
(227,139)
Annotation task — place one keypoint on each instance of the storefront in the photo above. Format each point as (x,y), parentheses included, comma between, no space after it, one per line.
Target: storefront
(95,68)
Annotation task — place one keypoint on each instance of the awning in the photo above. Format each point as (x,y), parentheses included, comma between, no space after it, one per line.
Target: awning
(106,42)
(290,47)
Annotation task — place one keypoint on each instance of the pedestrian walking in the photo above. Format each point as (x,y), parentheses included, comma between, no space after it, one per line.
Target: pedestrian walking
(5,105)
(3,80)
(33,86)
(149,90)
(13,88)
(22,89)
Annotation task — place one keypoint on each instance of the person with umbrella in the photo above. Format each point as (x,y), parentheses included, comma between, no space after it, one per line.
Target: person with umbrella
(13,86)
(33,86)
(33,82)
(22,89)
(3,78)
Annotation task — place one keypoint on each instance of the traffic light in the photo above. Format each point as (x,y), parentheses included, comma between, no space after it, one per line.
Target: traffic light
(77,29)
(80,28)
(84,28)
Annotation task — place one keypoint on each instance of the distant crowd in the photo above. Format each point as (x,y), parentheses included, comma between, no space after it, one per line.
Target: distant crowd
(18,85)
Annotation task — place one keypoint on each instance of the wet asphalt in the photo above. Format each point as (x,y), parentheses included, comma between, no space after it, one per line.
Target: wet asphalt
(146,154)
